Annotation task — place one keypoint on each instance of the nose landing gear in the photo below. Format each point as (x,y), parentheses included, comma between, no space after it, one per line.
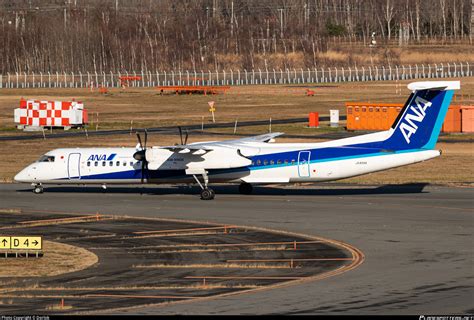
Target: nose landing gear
(37,188)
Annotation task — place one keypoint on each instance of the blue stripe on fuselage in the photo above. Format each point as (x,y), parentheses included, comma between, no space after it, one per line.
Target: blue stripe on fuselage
(312,160)
(317,156)
(135,175)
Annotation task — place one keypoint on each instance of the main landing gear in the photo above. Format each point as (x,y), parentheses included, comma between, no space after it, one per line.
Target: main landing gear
(245,188)
(37,188)
(206,193)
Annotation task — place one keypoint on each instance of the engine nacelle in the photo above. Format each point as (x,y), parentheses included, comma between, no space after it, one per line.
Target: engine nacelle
(218,158)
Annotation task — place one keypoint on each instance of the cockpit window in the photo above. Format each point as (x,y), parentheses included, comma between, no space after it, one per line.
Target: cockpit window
(46,158)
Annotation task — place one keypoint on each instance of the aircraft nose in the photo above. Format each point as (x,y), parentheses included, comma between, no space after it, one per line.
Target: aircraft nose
(22,176)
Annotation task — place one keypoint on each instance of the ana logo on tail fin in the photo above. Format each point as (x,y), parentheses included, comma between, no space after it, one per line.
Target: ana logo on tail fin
(419,122)
(408,125)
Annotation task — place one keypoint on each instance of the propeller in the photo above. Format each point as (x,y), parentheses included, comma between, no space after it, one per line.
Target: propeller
(140,155)
(181,136)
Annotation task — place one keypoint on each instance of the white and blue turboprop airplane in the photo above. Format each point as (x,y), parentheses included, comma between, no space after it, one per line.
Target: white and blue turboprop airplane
(255,160)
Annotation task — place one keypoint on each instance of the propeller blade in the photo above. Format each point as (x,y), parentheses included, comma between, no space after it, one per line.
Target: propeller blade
(139,140)
(143,171)
(146,138)
(140,155)
(180,135)
(146,169)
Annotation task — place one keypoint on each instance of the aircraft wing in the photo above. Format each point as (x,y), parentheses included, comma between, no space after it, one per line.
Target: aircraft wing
(260,138)
(204,147)
(188,148)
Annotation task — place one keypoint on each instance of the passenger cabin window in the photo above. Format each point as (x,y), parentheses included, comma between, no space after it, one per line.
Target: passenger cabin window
(117,163)
(103,163)
(131,163)
(88,163)
(111,163)
(46,158)
(96,163)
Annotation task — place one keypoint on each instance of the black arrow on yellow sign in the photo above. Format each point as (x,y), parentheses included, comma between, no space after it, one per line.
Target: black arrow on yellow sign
(4,242)
(24,242)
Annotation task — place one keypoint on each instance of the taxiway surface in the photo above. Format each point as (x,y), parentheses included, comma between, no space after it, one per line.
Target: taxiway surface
(417,240)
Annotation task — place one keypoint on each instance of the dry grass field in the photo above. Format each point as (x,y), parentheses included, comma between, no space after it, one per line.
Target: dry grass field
(65,258)
(428,52)
(146,108)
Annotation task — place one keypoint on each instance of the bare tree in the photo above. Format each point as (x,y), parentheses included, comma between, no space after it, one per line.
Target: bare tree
(52,35)
(471,24)
(442,4)
(417,15)
(389,13)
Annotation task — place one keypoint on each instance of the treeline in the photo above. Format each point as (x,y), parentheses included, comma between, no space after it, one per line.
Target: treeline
(120,35)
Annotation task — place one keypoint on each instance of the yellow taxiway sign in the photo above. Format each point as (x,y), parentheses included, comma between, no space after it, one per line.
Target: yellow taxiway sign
(21,243)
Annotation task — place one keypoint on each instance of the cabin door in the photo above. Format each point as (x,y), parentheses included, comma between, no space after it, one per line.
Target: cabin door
(73,166)
(303,163)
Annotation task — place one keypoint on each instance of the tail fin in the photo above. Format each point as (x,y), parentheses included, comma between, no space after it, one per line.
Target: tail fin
(419,123)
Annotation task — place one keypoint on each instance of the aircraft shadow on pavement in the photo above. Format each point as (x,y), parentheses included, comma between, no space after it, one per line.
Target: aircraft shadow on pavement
(338,190)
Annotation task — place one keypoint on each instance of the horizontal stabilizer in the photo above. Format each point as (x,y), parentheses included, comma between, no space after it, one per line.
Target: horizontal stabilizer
(434,85)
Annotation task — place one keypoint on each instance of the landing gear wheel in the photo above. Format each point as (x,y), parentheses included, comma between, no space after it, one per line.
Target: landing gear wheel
(245,188)
(38,189)
(207,194)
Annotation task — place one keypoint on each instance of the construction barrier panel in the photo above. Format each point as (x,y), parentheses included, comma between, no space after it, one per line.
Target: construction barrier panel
(381,116)
(313,120)
(467,118)
(371,116)
(452,122)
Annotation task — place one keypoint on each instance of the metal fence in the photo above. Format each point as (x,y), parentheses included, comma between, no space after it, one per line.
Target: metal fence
(234,77)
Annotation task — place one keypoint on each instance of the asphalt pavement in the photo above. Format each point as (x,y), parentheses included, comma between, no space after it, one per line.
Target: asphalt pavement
(417,240)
